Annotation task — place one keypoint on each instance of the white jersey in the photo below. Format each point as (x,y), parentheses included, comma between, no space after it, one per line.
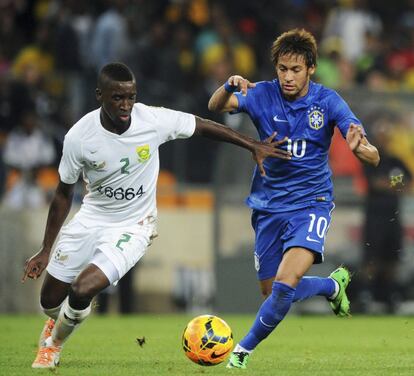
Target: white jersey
(121,171)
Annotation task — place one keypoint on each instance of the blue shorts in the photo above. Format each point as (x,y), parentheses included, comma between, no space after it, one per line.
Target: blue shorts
(275,233)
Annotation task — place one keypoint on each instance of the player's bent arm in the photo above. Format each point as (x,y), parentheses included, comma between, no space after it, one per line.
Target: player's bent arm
(260,149)
(58,211)
(223,101)
(367,152)
(211,129)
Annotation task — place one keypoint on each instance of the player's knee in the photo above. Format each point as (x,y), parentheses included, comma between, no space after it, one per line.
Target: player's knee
(290,279)
(80,295)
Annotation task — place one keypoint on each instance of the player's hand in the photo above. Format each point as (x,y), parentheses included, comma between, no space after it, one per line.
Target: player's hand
(269,148)
(354,136)
(35,265)
(242,83)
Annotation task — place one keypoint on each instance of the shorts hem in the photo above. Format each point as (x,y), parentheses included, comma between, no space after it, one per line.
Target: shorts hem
(318,254)
(55,274)
(262,278)
(106,270)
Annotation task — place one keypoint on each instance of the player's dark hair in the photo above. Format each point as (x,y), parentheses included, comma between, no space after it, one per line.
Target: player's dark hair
(115,72)
(295,42)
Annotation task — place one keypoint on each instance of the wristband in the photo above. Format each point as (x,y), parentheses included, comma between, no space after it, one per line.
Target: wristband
(230,88)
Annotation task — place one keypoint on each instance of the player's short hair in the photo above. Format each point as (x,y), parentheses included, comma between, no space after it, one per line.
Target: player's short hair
(295,42)
(115,72)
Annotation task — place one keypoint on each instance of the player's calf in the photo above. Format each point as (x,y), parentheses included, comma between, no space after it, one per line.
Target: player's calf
(67,321)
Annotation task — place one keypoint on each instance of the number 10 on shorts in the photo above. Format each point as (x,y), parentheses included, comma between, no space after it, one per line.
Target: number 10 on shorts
(321,225)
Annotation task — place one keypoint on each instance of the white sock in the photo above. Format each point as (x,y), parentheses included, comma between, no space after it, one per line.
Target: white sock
(52,312)
(238,348)
(336,292)
(67,321)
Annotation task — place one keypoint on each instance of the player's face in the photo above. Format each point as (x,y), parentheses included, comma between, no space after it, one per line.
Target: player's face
(293,75)
(117,99)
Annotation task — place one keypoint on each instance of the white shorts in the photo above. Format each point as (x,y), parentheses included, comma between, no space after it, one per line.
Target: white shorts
(115,250)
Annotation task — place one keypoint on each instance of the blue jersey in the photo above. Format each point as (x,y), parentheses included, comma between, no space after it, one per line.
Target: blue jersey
(309,123)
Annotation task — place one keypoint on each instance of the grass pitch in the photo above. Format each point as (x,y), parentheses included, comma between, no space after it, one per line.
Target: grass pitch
(314,346)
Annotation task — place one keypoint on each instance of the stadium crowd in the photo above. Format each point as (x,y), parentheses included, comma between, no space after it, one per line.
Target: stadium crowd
(180,51)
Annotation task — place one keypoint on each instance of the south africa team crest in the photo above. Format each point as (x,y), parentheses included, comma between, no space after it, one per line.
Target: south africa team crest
(143,153)
(316,117)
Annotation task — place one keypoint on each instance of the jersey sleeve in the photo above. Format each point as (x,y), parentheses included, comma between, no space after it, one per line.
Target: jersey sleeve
(173,124)
(341,114)
(248,103)
(71,163)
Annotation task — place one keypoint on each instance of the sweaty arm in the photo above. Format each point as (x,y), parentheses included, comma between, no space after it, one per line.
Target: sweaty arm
(223,99)
(260,150)
(361,147)
(58,211)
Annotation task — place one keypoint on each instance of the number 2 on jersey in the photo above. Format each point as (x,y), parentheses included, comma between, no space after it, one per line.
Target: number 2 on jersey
(124,168)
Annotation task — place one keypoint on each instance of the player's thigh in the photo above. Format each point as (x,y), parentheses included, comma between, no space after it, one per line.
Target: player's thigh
(308,228)
(124,246)
(73,251)
(268,254)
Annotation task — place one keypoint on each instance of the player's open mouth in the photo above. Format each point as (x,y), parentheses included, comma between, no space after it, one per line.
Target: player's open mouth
(124,117)
(288,87)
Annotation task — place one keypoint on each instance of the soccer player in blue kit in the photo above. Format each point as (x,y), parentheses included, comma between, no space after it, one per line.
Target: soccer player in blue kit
(293,203)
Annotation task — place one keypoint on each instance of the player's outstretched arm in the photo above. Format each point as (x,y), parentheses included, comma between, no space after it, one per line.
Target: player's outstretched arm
(223,99)
(260,150)
(360,146)
(58,211)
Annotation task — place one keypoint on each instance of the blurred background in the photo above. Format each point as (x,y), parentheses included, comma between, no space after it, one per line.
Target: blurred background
(181,51)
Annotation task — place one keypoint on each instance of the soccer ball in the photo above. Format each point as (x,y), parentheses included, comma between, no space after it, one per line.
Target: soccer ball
(207,340)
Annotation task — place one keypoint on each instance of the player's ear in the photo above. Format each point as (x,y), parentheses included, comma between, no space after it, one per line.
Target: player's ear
(311,70)
(98,94)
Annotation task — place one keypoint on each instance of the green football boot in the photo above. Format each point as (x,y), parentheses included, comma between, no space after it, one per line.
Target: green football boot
(238,360)
(340,304)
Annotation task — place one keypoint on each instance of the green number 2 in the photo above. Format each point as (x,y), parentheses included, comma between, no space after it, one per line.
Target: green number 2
(124,169)
(124,239)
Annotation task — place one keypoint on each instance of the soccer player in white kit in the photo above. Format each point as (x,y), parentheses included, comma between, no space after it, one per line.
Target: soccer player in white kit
(116,149)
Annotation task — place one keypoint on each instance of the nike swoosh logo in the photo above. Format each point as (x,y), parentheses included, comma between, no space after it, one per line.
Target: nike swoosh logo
(93,152)
(215,356)
(309,239)
(269,326)
(276,119)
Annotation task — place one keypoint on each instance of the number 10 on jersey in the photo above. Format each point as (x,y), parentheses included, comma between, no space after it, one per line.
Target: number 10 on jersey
(296,147)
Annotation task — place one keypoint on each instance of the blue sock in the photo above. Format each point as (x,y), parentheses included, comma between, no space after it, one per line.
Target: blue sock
(311,286)
(271,313)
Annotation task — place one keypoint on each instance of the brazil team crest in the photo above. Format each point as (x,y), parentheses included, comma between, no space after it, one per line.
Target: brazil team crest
(143,153)
(316,117)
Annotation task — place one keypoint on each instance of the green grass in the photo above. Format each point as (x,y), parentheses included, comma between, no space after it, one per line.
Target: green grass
(314,346)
